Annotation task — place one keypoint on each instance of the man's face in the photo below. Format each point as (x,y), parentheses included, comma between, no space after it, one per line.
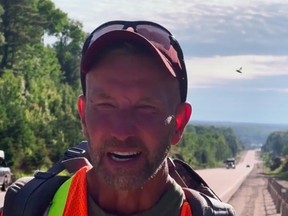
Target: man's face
(128,118)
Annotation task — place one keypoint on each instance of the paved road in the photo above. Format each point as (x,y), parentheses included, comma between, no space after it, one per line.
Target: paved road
(245,188)
(224,181)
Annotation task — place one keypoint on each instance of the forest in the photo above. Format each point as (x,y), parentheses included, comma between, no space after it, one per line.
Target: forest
(277,143)
(275,151)
(39,86)
(208,146)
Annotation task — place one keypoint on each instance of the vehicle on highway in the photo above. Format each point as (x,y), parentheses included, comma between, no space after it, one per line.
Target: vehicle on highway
(230,163)
(5,172)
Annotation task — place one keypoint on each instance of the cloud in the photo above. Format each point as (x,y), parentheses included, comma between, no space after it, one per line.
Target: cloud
(235,26)
(273,89)
(206,72)
(217,36)
(185,14)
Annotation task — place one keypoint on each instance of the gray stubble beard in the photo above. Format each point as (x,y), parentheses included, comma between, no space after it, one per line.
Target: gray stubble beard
(122,180)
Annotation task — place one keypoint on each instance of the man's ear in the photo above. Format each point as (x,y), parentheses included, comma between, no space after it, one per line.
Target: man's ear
(182,117)
(81,112)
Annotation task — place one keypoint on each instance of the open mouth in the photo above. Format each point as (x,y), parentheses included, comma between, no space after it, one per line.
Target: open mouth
(123,156)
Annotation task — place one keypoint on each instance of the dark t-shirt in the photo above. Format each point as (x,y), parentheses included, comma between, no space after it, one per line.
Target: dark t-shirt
(169,204)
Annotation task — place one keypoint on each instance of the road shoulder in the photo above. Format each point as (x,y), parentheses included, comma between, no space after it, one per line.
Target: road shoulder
(252,198)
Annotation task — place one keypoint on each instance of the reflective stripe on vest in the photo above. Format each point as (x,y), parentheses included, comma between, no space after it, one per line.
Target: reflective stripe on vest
(59,199)
(64,202)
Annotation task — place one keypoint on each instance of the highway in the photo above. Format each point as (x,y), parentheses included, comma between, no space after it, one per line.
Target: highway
(224,182)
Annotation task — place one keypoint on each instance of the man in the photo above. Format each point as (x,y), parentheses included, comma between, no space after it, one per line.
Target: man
(132,110)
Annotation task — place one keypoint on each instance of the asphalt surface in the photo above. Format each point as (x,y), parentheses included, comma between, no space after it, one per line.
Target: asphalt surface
(225,182)
(252,198)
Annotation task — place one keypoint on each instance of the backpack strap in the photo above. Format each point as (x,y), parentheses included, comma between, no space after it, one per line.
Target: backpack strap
(186,177)
(19,202)
(32,195)
(203,205)
(202,199)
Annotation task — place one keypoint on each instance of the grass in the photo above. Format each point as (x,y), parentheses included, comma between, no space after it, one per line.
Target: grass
(277,173)
(282,176)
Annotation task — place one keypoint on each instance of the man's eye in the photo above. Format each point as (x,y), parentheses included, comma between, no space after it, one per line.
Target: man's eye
(105,106)
(147,108)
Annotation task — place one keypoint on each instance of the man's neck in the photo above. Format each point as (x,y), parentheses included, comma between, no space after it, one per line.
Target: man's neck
(122,202)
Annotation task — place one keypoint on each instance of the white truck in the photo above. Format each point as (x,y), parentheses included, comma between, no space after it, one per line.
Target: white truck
(5,172)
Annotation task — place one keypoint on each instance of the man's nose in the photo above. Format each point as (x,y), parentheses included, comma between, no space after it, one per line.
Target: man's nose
(123,125)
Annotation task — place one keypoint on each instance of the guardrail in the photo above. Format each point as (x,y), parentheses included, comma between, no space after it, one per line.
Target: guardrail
(279,195)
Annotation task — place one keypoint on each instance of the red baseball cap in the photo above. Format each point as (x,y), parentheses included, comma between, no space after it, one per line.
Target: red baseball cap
(159,43)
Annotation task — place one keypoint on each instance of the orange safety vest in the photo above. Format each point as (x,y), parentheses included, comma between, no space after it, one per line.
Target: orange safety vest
(77,187)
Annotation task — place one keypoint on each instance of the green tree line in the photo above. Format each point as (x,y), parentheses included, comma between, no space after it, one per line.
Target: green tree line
(277,144)
(39,86)
(275,151)
(38,82)
(207,146)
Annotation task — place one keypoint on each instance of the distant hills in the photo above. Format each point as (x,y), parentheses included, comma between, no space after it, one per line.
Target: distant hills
(251,134)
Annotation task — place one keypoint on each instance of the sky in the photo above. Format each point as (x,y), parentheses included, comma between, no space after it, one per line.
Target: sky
(217,37)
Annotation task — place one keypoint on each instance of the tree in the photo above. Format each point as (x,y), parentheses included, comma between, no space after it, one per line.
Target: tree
(18,31)
(207,146)
(54,19)
(277,143)
(68,49)
(15,135)
(70,37)
(38,83)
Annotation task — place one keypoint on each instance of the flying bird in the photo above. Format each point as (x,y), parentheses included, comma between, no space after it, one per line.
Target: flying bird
(239,70)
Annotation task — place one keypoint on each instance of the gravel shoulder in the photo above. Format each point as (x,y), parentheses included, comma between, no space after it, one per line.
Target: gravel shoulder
(252,198)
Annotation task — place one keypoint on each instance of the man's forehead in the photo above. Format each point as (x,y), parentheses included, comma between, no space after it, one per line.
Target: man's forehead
(138,65)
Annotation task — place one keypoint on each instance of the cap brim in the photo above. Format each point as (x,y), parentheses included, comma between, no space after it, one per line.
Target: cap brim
(117,36)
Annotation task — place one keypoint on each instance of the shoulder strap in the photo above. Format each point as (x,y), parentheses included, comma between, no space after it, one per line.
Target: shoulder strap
(32,195)
(203,200)
(186,177)
(203,205)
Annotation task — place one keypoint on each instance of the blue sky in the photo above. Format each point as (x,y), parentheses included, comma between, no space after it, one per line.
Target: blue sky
(217,37)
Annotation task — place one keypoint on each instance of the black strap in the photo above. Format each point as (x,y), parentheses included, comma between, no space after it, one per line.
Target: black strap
(203,205)
(192,179)
(21,195)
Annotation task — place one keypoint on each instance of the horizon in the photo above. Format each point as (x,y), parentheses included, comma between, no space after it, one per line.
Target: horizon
(235,122)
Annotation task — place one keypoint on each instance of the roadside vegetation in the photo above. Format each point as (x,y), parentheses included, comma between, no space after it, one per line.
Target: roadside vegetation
(207,146)
(275,155)
(39,83)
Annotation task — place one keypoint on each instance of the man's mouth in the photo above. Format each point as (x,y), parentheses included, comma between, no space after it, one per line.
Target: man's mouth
(123,156)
